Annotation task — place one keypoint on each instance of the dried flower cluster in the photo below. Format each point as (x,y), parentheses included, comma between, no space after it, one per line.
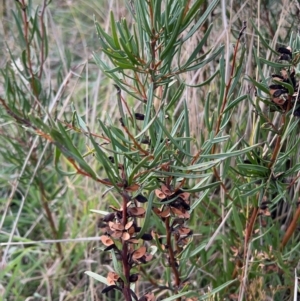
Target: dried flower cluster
(284,90)
(174,213)
(121,234)
(121,231)
(175,203)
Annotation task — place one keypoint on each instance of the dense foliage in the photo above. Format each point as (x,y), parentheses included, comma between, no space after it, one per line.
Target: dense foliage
(150,151)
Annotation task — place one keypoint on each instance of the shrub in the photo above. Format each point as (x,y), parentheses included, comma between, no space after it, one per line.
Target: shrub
(186,214)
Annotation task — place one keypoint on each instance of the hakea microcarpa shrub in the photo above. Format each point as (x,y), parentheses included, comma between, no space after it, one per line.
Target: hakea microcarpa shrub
(279,90)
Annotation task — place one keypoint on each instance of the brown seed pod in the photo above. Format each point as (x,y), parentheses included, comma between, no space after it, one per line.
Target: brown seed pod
(136,211)
(139,253)
(106,240)
(125,236)
(112,278)
(165,213)
(160,194)
(116,226)
(128,225)
(185,196)
(133,187)
(117,234)
(166,190)
(184,231)
(133,241)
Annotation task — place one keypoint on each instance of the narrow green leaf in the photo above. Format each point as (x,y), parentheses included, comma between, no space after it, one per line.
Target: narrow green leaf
(100,211)
(234,103)
(207,112)
(200,187)
(64,139)
(198,167)
(238,225)
(148,110)
(191,12)
(143,19)
(288,86)
(108,166)
(114,30)
(147,220)
(57,154)
(202,19)
(158,22)
(137,167)
(79,120)
(125,66)
(253,191)
(115,134)
(64,143)
(261,75)
(170,43)
(176,96)
(262,39)
(138,50)
(117,266)
(179,148)
(125,31)
(103,35)
(20,30)
(198,249)
(205,82)
(250,168)
(177,124)
(206,61)
(260,86)
(187,127)
(222,82)
(128,52)
(117,55)
(174,297)
(200,199)
(97,277)
(273,64)
(231,153)
(216,290)
(176,174)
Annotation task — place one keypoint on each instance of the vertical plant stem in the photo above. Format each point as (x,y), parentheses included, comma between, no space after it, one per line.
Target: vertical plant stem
(291,229)
(250,226)
(275,152)
(225,99)
(171,253)
(42,50)
(126,267)
(24,8)
(50,219)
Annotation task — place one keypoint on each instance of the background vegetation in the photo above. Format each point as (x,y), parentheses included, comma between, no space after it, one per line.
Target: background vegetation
(238,153)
